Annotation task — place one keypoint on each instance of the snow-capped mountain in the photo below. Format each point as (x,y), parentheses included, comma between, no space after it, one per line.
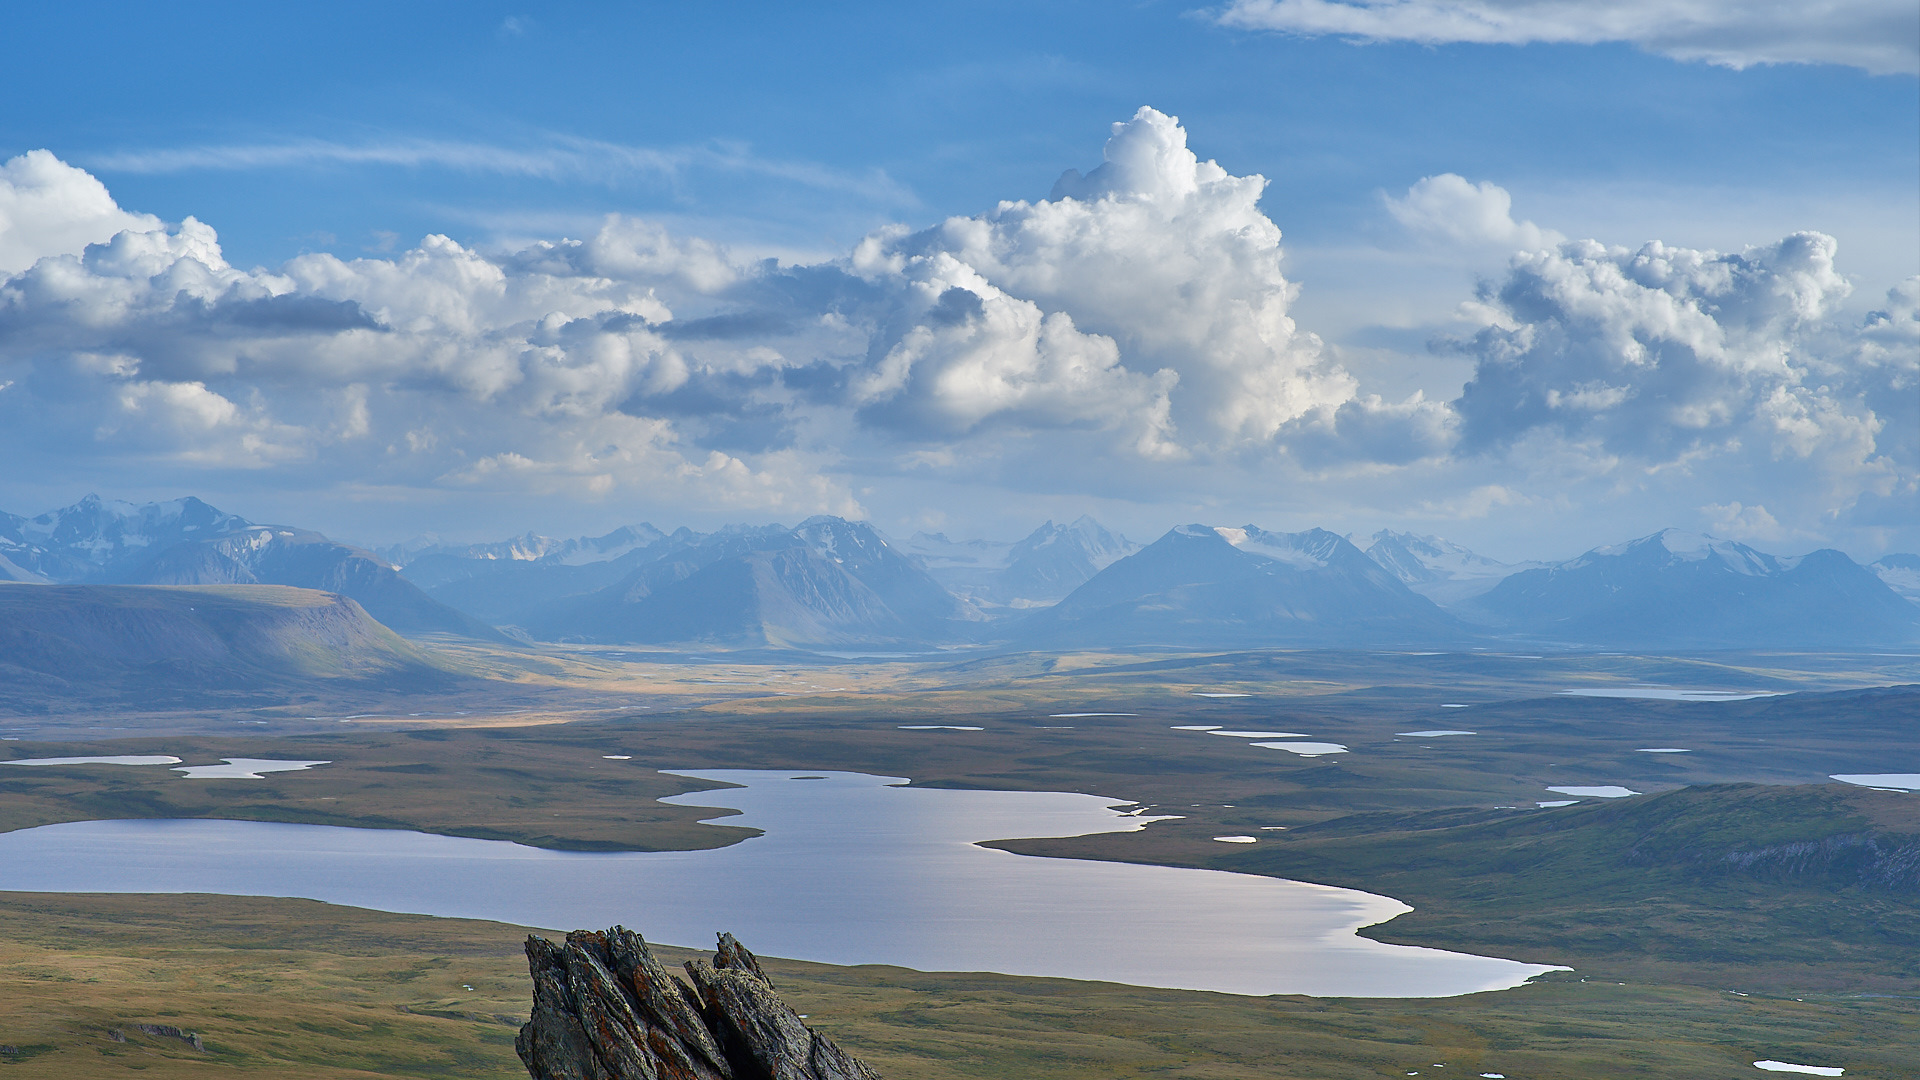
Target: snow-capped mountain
(1682,589)
(1440,570)
(1901,574)
(187,542)
(1243,587)
(1041,569)
(1054,560)
(532,547)
(96,538)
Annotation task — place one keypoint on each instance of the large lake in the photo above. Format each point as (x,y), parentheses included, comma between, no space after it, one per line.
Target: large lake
(852,869)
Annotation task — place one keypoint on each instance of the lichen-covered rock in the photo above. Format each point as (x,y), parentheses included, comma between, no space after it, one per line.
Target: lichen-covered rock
(604,1009)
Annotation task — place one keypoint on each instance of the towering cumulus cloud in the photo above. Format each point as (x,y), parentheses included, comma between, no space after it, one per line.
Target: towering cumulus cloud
(1169,258)
(48,207)
(1668,356)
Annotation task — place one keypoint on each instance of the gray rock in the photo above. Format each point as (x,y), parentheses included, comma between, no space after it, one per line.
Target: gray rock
(605,1009)
(168,1031)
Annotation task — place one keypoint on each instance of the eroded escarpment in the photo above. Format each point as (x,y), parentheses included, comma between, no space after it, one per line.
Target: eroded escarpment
(605,1009)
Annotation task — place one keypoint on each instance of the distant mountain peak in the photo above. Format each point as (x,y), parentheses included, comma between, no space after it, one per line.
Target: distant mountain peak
(1683,546)
(1307,550)
(840,540)
(1243,586)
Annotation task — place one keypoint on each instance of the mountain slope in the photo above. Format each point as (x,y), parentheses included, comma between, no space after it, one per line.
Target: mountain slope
(1683,589)
(1901,574)
(509,583)
(1054,560)
(1040,569)
(503,592)
(149,645)
(278,556)
(1200,585)
(1440,570)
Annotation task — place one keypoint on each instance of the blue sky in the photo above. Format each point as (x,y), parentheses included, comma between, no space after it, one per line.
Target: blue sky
(775,131)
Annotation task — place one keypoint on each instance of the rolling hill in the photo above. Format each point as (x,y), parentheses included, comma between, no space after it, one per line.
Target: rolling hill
(64,647)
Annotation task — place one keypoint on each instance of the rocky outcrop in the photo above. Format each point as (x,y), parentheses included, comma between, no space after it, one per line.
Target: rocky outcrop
(168,1031)
(604,1009)
(1872,861)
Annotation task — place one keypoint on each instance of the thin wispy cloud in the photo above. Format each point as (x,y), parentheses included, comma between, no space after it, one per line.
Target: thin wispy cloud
(560,157)
(1879,36)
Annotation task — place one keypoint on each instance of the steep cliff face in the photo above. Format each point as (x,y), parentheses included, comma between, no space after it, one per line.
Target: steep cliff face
(604,1009)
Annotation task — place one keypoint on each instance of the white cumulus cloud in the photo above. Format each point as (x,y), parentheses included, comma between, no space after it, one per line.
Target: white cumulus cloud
(1170,258)
(1451,207)
(442,365)
(48,207)
(1672,358)
(1880,36)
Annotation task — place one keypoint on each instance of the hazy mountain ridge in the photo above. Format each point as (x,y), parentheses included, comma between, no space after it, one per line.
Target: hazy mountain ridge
(1438,569)
(1901,573)
(826,582)
(1037,570)
(1205,585)
(531,547)
(829,582)
(1684,589)
(187,542)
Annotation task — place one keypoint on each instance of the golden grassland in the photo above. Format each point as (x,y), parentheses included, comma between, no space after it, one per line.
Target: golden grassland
(296,989)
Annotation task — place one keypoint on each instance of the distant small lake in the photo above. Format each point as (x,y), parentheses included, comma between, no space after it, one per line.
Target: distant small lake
(1669,693)
(852,869)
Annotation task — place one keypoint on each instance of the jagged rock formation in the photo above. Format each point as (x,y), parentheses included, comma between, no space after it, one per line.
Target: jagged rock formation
(604,1009)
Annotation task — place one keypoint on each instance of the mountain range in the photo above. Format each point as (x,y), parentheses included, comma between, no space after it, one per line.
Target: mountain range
(829,583)
(1684,589)
(826,582)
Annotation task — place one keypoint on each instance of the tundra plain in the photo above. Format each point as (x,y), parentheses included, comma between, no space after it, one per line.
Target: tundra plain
(1702,933)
